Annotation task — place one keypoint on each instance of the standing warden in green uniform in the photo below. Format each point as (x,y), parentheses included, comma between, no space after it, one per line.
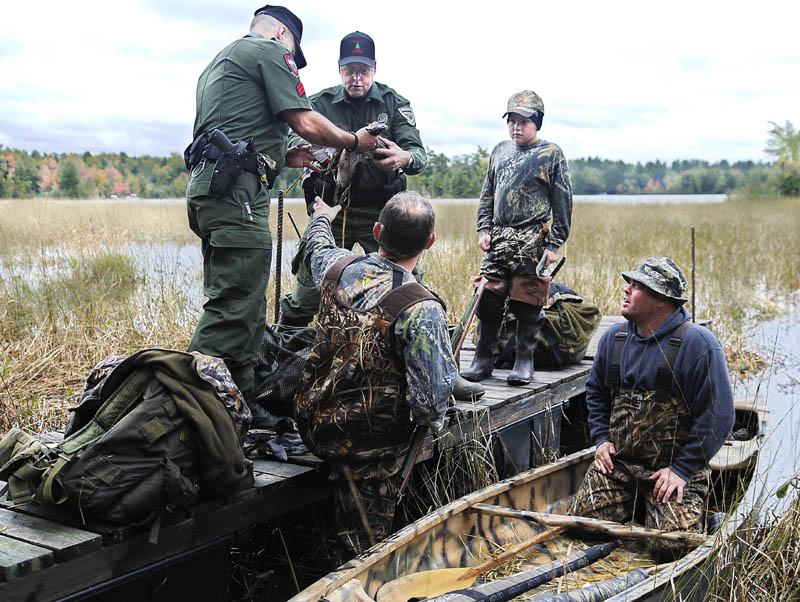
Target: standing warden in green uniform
(358,101)
(250,91)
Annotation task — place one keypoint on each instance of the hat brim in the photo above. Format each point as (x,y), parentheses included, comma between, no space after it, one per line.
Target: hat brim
(299,57)
(649,283)
(522,112)
(357,59)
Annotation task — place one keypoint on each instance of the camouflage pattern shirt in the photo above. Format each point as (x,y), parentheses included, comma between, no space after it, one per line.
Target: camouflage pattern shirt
(421,337)
(524,185)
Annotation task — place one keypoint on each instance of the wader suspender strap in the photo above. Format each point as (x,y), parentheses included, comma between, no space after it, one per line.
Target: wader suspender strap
(665,372)
(613,368)
(396,301)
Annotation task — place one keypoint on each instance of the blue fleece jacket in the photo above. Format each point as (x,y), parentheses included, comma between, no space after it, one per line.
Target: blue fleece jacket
(703,379)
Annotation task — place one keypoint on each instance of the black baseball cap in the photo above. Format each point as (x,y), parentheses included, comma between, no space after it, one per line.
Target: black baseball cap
(293,24)
(357,47)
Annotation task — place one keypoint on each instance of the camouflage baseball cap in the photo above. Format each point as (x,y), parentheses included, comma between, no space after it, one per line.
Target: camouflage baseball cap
(662,275)
(526,103)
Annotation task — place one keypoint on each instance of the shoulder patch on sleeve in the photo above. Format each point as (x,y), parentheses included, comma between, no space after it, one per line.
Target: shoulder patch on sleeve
(408,113)
(291,64)
(301,90)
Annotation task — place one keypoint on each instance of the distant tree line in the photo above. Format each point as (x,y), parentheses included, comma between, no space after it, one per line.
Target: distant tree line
(104,175)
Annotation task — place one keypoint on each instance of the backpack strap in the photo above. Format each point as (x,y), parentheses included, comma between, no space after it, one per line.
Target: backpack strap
(666,373)
(614,376)
(334,272)
(396,301)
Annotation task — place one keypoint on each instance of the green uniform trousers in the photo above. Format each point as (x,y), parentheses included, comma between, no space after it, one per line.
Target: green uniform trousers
(299,307)
(237,250)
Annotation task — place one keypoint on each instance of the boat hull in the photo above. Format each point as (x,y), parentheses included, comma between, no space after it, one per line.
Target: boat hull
(456,535)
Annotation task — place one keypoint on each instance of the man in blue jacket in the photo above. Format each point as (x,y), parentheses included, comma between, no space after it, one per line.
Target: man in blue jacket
(660,406)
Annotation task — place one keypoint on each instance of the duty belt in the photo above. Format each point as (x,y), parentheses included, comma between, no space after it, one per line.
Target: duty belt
(231,158)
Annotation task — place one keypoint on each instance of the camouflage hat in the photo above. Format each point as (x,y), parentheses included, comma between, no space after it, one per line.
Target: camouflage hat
(662,275)
(526,103)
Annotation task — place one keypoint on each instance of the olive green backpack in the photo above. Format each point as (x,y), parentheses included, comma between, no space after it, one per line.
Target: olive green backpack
(151,433)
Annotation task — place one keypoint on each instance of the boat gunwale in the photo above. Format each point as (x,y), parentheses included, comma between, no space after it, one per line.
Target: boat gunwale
(360,564)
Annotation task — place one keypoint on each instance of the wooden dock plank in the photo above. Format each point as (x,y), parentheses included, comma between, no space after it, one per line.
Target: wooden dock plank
(279,487)
(64,541)
(19,558)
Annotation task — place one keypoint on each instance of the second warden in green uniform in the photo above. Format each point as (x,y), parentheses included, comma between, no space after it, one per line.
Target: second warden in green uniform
(356,102)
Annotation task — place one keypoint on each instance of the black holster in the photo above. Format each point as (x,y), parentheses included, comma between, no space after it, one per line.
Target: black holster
(231,158)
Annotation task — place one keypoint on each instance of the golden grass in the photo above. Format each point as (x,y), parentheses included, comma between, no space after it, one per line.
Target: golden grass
(762,561)
(69,297)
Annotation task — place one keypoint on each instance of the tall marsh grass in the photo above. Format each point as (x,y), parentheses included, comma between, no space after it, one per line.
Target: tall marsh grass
(72,291)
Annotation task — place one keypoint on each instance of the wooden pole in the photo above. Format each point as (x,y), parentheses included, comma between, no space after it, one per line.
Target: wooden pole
(693,305)
(279,258)
(688,538)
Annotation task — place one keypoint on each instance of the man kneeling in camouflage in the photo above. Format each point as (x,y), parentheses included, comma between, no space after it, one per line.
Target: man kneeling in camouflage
(660,406)
(381,361)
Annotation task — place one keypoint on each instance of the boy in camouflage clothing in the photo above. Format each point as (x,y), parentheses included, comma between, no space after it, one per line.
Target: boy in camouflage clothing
(527,183)
(660,406)
(381,362)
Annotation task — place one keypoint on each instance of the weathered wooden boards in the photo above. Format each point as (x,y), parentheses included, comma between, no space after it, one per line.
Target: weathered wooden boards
(45,554)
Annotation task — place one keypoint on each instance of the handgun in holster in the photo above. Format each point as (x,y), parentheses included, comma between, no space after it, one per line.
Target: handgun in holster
(231,158)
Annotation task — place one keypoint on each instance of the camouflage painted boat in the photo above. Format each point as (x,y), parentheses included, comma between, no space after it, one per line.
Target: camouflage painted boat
(471,529)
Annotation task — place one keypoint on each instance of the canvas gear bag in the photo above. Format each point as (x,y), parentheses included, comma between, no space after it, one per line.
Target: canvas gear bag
(151,432)
(563,339)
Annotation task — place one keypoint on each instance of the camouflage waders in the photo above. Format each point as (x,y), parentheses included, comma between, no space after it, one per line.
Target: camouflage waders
(647,428)
(351,408)
(510,267)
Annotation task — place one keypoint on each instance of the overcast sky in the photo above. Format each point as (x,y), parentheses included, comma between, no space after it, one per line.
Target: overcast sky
(636,81)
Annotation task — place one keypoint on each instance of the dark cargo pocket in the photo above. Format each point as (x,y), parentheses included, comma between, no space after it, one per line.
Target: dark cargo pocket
(237,263)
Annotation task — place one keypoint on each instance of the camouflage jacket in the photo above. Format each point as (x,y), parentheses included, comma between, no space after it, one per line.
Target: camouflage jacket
(524,185)
(420,338)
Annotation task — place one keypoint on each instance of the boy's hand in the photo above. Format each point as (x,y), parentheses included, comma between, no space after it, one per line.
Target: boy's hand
(484,242)
(552,256)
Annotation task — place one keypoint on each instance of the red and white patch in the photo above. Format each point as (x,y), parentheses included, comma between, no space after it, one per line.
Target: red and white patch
(291,64)
(301,89)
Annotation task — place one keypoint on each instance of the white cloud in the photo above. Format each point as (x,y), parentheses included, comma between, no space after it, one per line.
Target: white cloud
(622,80)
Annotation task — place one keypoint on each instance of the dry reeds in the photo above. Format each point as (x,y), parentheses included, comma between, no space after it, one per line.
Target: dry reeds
(83,280)
(760,562)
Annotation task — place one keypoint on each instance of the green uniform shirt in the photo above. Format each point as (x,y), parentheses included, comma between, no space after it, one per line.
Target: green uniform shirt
(381,104)
(243,90)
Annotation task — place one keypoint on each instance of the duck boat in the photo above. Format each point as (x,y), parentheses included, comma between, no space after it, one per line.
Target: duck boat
(522,520)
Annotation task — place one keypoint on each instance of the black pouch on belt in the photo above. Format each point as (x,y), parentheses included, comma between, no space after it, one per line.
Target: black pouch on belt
(195,152)
(235,157)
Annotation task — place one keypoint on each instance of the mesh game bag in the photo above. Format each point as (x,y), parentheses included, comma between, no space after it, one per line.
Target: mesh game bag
(279,366)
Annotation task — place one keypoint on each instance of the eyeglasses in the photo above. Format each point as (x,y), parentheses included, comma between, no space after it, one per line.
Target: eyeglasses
(351,71)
